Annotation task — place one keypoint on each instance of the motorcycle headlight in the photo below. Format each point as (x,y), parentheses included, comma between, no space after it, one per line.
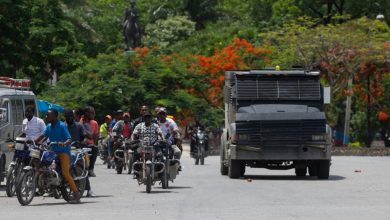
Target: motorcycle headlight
(318,137)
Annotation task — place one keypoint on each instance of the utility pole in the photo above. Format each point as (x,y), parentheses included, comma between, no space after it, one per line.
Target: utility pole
(348,112)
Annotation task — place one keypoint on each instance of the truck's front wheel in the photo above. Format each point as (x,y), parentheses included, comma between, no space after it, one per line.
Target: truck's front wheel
(323,169)
(234,169)
(224,168)
(300,171)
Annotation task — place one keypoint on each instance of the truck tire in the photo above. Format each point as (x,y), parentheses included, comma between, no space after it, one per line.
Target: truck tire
(234,169)
(242,168)
(2,168)
(323,169)
(224,169)
(313,168)
(300,171)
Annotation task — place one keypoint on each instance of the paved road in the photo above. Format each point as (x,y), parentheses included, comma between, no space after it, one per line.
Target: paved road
(202,193)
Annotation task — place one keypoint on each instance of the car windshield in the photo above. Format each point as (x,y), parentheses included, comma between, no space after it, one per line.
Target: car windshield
(3,111)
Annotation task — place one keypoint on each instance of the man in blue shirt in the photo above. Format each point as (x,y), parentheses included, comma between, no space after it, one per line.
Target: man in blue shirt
(57,131)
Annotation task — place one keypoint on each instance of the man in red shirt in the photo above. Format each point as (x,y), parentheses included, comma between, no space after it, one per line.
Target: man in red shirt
(92,129)
(124,127)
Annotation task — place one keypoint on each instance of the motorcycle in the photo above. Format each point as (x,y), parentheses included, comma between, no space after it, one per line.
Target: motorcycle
(149,169)
(123,155)
(21,159)
(43,172)
(171,165)
(200,141)
(80,154)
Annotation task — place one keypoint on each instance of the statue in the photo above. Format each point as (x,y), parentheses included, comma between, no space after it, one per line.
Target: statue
(131,28)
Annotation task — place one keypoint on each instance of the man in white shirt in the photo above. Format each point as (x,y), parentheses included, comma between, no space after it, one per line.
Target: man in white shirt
(169,126)
(33,127)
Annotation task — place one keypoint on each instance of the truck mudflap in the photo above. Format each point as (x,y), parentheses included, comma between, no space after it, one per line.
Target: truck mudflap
(302,152)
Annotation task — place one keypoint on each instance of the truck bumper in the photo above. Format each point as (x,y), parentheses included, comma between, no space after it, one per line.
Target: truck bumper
(302,152)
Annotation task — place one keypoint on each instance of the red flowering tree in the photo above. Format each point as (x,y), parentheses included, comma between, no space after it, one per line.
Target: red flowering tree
(238,55)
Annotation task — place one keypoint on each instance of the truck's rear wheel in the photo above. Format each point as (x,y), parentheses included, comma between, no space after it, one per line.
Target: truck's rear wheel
(323,169)
(234,169)
(313,168)
(224,169)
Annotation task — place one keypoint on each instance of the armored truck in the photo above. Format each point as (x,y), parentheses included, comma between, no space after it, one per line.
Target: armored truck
(275,120)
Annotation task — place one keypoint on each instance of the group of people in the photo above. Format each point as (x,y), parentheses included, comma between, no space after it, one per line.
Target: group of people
(155,128)
(81,127)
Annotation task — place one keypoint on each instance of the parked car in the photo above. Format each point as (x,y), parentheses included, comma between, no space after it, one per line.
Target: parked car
(15,97)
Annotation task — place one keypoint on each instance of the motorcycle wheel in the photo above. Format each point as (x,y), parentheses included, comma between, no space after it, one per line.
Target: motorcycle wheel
(148,179)
(80,184)
(119,169)
(130,166)
(198,155)
(165,180)
(56,192)
(26,187)
(202,156)
(11,181)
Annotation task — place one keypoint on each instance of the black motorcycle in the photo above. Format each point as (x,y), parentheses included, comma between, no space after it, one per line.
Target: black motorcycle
(200,140)
(21,159)
(123,155)
(150,167)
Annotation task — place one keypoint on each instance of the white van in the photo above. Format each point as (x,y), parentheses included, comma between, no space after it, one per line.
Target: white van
(15,97)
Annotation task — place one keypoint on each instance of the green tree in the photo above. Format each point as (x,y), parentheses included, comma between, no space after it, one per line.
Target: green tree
(168,32)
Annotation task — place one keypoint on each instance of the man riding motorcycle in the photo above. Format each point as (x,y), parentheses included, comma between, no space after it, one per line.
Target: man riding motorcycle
(57,131)
(32,126)
(169,126)
(147,129)
(78,134)
(192,129)
(124,127)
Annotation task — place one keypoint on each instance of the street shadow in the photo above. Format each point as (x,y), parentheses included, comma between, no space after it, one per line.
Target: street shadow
(157,192)
(61,203)
(290,178)
(98,196)
(176,187)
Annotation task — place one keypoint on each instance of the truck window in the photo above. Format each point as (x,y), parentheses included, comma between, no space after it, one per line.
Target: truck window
(17,111)
(3,112)
(29,103)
